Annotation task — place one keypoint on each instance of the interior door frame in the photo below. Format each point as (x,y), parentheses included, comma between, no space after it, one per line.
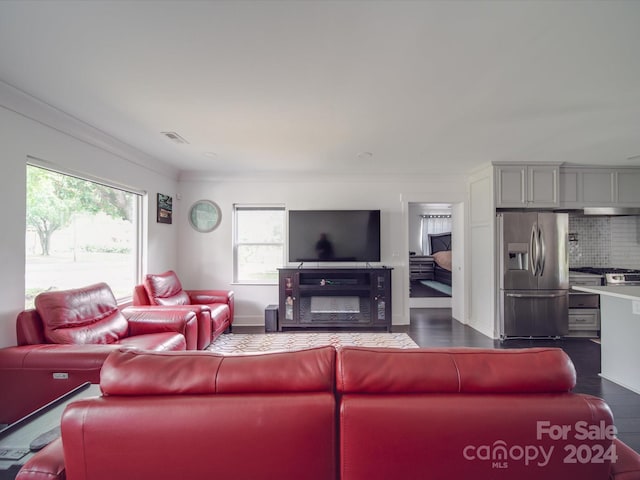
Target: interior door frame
(459,217)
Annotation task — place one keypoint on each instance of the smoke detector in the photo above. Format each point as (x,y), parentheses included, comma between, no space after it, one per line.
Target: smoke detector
(174,137)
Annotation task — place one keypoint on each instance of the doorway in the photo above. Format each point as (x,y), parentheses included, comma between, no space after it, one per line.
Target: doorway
(430,233)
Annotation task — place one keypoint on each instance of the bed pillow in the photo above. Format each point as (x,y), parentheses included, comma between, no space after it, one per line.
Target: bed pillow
(443,259)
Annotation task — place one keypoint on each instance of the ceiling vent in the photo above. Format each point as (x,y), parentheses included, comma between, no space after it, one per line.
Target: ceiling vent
(174,137)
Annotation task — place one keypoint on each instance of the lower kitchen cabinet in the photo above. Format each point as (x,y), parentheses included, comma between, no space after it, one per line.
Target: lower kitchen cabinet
(584,322)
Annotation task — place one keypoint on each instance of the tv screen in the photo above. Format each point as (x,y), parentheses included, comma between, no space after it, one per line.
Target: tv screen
(334,235)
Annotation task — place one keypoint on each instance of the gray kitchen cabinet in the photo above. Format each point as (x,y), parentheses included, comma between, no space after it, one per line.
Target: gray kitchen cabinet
(527,186)
(586,187)
(628,183)
(584,322)
(599,187)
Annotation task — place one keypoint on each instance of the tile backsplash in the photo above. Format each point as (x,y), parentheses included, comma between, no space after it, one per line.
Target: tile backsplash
(604,241)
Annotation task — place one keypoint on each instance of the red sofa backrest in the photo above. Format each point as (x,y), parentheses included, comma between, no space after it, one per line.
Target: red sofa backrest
(130,372)
(468,413)
(165,289)
(200,415)
(83,315)
(464,370)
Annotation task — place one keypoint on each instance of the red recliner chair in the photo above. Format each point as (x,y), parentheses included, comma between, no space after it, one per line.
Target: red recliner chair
(63,342)
(215,306)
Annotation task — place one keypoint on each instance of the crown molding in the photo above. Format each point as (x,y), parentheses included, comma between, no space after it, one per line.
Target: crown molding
(28,106)
(287,177)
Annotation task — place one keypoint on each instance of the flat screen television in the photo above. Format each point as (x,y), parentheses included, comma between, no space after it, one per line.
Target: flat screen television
(334,235)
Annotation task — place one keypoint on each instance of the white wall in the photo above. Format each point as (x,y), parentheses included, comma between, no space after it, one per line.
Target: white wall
(25,131)
(207,260)
(481,236)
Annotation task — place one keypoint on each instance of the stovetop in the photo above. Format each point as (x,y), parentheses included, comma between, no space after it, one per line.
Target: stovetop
(602,270)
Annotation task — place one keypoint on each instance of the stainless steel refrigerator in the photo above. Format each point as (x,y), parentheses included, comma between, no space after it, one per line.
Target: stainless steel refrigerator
(534,274)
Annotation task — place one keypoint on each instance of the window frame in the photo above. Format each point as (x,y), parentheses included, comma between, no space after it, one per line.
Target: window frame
(265,207)
(139,212)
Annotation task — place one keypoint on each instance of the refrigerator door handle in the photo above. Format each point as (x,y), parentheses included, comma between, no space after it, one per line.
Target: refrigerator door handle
(542,251)
(529,295)
(533,249)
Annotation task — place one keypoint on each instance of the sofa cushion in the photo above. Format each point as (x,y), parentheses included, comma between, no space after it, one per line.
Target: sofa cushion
(165,289)
(197,372)
(463,370)
(82,315)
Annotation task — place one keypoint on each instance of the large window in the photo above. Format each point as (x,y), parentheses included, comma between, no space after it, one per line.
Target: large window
(258,243)
(78,233)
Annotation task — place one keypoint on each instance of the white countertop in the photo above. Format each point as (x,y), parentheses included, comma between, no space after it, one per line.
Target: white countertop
(628,292)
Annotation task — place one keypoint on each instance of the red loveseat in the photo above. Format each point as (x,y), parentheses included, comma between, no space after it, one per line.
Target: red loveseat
(358,414)
(215,307)
(63,342)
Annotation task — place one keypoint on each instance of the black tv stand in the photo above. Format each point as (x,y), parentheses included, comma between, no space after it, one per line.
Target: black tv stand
(344,298)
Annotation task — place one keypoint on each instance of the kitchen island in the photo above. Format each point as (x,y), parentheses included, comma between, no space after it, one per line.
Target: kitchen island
(619,333)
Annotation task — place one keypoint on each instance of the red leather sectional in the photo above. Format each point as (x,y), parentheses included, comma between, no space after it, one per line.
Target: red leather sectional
(64,341)
(358,413)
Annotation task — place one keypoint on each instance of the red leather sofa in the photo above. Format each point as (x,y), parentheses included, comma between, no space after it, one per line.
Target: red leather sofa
(360,413)
(215,307)
(64,340)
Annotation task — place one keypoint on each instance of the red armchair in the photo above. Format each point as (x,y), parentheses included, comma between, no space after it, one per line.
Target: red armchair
(63,342)
(215,307)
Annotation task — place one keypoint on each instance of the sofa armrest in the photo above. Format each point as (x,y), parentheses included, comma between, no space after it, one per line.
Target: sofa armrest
(627,467)
(150,319)
(29,328)
(47,464)
(203,297)
(214,296)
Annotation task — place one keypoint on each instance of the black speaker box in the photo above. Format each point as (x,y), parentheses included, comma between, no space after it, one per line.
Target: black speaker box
(271,318)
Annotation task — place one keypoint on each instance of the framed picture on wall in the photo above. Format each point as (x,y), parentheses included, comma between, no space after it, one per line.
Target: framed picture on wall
(165,208)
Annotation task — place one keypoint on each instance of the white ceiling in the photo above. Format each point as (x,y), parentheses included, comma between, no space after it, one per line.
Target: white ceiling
(308,86)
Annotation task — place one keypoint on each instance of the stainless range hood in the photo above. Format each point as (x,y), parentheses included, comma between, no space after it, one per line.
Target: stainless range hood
(611,211)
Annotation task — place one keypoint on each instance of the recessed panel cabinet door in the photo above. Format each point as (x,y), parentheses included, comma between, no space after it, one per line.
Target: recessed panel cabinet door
(543,185)
(511,187)
(597,188)
(527,186)
(629,188)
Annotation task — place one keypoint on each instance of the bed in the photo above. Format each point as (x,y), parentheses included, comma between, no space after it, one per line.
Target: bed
(440,244)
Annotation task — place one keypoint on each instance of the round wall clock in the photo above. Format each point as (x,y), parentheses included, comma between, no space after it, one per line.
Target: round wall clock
(205,216)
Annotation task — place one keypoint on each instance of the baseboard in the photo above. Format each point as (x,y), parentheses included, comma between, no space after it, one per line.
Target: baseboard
(249,320)
(258,321)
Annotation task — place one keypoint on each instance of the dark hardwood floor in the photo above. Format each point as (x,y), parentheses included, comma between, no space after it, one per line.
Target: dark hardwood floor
(435,327)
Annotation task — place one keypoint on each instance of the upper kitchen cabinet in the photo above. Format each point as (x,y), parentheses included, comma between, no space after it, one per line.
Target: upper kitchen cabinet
(599,187)
(527,186)
(628,182)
